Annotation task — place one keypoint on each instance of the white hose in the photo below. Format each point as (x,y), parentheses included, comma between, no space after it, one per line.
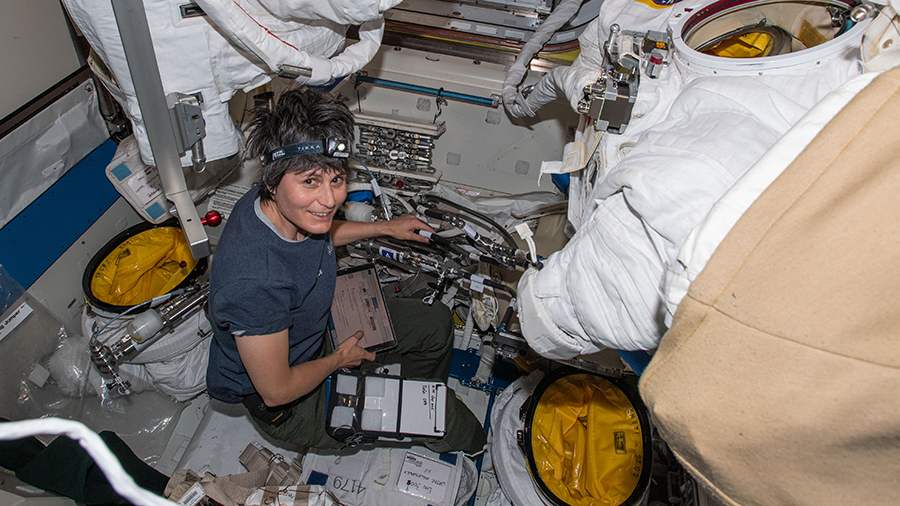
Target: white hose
(468,330)
(394,194)
(120,480)
(486,365)
(512,98)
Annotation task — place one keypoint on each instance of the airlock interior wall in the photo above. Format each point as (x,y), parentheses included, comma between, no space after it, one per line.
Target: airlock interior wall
(47,246)
(37,50)
(481,148)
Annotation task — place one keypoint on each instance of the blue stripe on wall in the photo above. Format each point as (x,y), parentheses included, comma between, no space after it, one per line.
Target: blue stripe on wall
(40,234)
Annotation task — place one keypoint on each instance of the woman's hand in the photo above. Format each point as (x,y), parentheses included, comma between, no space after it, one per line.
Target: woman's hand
(350,353)
(405,227)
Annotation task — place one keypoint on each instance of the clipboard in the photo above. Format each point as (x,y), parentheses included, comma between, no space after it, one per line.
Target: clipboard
(363,408)
(359,305)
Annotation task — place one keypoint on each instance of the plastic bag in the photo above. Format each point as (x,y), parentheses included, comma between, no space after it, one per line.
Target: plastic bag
(143,266)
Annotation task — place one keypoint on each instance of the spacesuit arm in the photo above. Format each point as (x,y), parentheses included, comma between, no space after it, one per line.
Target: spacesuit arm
(601,290)
(248,30)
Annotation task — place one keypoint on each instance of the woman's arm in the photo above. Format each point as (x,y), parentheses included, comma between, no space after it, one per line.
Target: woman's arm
(402,227)
(266,359)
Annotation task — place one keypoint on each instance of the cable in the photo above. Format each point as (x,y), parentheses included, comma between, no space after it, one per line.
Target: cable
(385,206)
(364,166)
(394,194)
(506,235)
(512,97)
(428,91)
(143,306)
(120,480)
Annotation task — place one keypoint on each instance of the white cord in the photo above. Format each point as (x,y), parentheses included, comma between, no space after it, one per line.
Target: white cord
(396,196)
(121,481)
(525,233)
(468,330)
(485,365)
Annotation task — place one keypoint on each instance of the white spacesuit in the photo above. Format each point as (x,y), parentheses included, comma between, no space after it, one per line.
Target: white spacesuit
(231,46)
(694,132)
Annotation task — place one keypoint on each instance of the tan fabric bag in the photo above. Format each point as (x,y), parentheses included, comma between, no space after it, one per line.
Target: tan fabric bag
(779,381)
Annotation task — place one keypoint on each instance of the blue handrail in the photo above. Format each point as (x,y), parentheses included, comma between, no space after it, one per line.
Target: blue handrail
(424,89)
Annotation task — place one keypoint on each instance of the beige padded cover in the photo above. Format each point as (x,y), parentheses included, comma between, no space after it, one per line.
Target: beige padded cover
(779,381)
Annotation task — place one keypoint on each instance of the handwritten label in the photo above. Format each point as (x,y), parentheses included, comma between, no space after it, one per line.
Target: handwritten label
(14,319)
(146,185)
(424,477)
(348,485)
(423,408)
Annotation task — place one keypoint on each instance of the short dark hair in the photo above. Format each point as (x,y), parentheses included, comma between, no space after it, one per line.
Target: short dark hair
(301,115)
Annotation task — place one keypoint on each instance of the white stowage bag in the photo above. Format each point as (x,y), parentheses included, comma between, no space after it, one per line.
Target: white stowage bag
(516,486)
(175,364)
(381,476)
(650,188)
(76,376)
(238,45)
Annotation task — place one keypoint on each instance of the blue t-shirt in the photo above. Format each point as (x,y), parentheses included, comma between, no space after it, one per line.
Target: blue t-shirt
(262,283)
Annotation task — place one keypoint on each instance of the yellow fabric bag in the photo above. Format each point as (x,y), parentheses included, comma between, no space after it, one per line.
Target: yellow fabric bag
(146,265)
(587,442)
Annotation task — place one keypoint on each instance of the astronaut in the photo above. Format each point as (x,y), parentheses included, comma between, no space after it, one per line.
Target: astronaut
(273,281)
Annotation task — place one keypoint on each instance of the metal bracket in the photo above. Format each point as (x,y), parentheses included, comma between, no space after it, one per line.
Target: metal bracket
(186,114)
(627,55)
(165,142)
(293,72)
(187,118)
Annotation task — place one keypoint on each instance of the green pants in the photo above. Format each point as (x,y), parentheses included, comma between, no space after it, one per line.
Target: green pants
(424,347)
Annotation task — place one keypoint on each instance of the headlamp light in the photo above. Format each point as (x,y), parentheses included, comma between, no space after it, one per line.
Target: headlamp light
(336,147)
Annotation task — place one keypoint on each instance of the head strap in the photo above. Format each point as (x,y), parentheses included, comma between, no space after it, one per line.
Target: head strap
(337,148)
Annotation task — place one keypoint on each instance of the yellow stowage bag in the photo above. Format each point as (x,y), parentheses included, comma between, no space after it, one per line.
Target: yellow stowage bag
(146,265)
(586,441)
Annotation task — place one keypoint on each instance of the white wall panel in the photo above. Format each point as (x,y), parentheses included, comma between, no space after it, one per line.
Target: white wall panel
(38,51)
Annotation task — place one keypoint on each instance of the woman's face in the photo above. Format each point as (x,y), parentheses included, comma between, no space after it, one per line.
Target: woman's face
(306,202)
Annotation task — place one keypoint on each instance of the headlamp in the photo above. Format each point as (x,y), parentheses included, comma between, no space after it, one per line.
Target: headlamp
(335,147)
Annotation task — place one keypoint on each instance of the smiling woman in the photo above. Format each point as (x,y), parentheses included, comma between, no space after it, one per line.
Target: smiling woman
(305,203)
(273,278)
(297,136)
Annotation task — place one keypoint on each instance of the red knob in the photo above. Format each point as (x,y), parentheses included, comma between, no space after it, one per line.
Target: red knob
(399,184)
(212,219)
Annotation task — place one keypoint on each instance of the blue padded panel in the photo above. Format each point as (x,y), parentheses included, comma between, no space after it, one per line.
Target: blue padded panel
(41,233)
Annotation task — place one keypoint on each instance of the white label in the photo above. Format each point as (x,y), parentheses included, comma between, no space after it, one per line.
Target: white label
(225,198)
(53,168)
(389,253)
(14,319)
(423,406)
(146,185)
(489,30)
(456,25)
(193,495)
(477,284)
(287,496)
(39,375)
(424,477)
